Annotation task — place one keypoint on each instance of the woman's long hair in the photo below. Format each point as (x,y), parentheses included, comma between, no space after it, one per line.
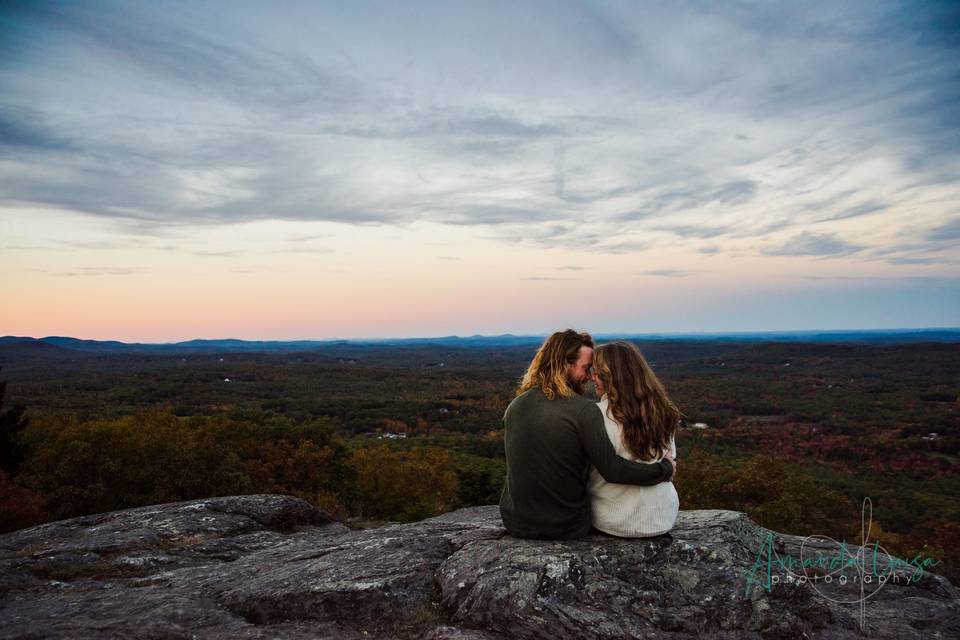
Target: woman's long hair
(548,370)
(636,399)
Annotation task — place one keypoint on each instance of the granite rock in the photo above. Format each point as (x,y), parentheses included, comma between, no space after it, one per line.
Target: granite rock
(268,566)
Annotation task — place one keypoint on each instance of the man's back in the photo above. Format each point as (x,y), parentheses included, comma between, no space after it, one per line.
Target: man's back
(545,492)
(550,446)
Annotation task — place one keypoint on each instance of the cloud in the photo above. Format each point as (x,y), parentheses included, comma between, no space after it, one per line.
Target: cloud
(948,231)
(457,124)
(914,250)
(667,273)
(285,82)
(606,128)
(909,260)
(23,128)
(97,245)
(256,269)
(693,230)
(579,237)
(637,246)
(635,215)
(497,215)
(101,245)
(690,198)
(309,237)
(857,211)
(546,279)
(102,271)
(738,192)
(216,254)
(309,250)
(813,244)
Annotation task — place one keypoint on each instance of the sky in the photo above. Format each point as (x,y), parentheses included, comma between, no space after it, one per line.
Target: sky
(315,170)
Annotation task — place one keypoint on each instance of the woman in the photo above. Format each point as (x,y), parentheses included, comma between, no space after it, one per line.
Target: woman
(641,422)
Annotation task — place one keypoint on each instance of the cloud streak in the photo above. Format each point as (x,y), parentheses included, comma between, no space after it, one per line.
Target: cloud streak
(608,128)
(813,244)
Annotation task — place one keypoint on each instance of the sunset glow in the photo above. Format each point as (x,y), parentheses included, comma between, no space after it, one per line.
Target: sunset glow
(209,170)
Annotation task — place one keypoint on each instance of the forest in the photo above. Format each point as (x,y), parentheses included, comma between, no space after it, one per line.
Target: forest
(795,434)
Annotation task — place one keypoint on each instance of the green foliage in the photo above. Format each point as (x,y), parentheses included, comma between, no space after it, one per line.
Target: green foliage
(479,480)
(12,423)
(108,464)
(797,447)
(19,506)
(785,499)
(406,485)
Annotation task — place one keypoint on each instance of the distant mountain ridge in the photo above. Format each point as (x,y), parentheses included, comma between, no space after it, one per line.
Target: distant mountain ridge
(890,336)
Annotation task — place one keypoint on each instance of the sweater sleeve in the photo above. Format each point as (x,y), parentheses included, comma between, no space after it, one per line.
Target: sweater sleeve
(613,468)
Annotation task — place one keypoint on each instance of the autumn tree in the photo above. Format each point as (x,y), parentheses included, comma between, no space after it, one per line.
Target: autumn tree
(114,463)
(303,469)
(404,485)
(12,423)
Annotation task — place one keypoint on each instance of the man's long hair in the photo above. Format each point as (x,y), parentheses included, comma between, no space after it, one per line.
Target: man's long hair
(636,399)
(548,370)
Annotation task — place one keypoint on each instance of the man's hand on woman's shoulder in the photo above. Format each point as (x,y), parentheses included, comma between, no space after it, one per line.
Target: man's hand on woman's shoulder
(673,462)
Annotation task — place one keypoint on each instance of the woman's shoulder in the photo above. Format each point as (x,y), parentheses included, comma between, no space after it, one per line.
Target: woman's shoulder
(614,428)
(604,406)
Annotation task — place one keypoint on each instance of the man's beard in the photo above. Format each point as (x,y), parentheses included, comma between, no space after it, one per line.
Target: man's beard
(578,387)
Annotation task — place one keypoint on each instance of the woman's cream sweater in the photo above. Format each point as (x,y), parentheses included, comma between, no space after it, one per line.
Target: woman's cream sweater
(626,510)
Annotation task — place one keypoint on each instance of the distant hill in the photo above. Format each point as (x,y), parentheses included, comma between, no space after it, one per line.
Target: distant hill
(888,336)
(840,335)
(33,348)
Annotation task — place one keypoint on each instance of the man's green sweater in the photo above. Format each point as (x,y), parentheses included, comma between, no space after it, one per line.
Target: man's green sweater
(550,446)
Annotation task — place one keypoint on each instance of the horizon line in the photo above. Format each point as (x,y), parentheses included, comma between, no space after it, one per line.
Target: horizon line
(503,335)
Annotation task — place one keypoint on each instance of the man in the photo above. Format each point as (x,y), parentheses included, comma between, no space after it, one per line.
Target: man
(553,434)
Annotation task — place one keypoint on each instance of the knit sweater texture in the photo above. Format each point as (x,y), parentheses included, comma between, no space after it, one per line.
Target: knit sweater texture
(625,510)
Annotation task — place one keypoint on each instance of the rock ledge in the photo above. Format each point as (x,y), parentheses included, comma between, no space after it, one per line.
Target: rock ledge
(269,566)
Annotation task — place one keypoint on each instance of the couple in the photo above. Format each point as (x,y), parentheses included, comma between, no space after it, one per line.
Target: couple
(573,464)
